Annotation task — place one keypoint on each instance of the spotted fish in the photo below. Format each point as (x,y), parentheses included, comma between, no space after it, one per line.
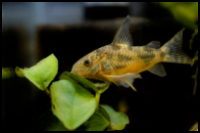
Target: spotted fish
(121,63)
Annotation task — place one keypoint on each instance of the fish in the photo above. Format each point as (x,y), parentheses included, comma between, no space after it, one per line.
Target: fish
(121,62)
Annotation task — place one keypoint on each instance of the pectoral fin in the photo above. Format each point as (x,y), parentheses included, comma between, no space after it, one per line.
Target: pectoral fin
(125,80)
(158,69)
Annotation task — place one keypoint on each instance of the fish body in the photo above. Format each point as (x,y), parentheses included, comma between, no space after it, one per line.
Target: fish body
(120,62)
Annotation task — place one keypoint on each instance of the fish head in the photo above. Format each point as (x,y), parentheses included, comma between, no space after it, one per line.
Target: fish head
(87,66)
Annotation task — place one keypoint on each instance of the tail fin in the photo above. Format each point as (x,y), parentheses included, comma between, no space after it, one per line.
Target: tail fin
(173,50)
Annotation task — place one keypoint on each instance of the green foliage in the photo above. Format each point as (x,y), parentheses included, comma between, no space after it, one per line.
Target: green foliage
(194,127)
(118,119)
(43,72)
(185,12)
(74,106)
(98,122)
(78,79)
(49,122)
(192,37)
(19,72)
(7,72)
(195,59)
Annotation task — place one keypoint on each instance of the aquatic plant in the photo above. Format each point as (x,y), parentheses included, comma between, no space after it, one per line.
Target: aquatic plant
(187,14)
(75,100)
(184,12)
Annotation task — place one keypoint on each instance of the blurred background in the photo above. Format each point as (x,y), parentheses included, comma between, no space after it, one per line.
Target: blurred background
(33,30)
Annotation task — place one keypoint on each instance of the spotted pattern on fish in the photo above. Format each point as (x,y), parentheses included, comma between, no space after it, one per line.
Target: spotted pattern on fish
(123,57)
(106,66)
(119,65)
(162,54)
(110,55)
(147,57)
(100,51)
(147,49)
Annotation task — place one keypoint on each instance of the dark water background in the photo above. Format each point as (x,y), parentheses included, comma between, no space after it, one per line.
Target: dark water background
(32,31)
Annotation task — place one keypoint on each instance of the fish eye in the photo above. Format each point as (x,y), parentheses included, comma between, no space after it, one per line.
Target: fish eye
(86,62)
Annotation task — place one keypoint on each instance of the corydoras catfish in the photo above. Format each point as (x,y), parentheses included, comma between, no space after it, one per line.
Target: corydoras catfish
(120,62)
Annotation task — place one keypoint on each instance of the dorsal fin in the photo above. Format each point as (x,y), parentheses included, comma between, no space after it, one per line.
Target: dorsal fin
(154,44)
(123,36)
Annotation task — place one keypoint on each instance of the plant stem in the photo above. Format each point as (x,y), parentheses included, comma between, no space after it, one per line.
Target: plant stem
(47,91)
(97,99)
(195,81)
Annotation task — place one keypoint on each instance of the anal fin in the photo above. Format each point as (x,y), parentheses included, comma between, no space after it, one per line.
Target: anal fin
(158,69)
(125,80)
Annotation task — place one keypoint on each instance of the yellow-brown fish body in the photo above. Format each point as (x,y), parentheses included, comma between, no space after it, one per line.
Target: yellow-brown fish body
(121,63)
(129,60)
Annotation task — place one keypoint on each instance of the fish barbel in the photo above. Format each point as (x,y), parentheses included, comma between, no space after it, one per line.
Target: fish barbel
(120,62)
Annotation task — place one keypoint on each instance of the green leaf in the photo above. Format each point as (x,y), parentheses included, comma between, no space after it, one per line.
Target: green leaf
(81,80)
(98,122)
(66,76)
(43,72)
(7,72)
(103,88)
(49,122)
(19,72)
(185,12)
(118,119)
(104,113)
(71,103)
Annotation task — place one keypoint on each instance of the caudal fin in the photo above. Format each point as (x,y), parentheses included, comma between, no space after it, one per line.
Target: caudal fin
(173,50)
